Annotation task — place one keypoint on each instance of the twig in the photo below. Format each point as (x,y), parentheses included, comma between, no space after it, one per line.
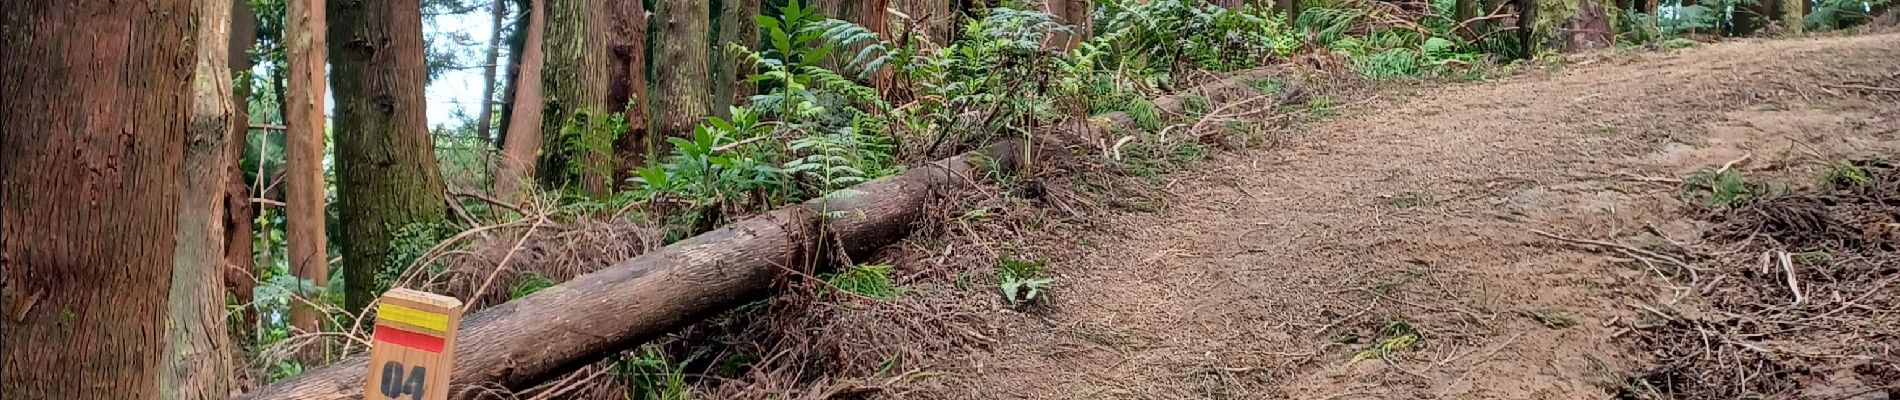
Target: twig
(734,145)
(490,200)
(482,290)
(260,200)
(1193,130)
(1486,358)
(1864,87)
(1354,316)
(1731,163)
(1634,250)
(1794,285)
(269,127)
(569,384)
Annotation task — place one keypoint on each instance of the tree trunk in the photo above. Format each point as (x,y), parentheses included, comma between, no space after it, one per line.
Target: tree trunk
(1077,14)
(1793,12)
(737,26)
(577,147)
(523,138)
(309,244)
(514,41)
(197,355)
(938,17)
(484,124)
(1465,10)
(385,158)
(1289,8)
(238,213)
(682,35)
(870,14)
(97,97)
(627,88)
(525,341)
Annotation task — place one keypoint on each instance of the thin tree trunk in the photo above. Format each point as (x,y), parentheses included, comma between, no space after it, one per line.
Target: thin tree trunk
(197,355)
(485,120)
(739,27)
(870,14)
(735,25)
(523,139)
(1794,12)
(386,172)
(939,18)
(309,244)
(577,147)
(238,213)
(1289,8)
(627,87)
(95,97)
(515,39)
(682,35)
(1075,13)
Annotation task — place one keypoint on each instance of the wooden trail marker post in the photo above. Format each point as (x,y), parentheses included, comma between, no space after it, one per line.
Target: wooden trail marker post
(413,347)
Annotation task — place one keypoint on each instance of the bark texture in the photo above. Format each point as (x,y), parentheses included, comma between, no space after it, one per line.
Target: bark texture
(198,350)
(1078,14)
(576,145)
(95,97)
(872,15)
(304,21)
(938,17)
(484,124)
(627,87)
(525,341)
(522,142)
(238,215)
(1289,8)
(682,90)
(732,17)
(385,159)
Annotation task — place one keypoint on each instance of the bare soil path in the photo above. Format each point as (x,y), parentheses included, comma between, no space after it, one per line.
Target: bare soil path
(1270,271)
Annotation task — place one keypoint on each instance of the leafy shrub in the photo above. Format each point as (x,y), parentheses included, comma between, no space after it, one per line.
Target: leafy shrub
(1840,14)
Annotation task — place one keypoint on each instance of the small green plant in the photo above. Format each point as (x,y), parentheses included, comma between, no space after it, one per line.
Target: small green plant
(1391,64)
(1267,86)
(530,283)
(868,280)
(1843,175)
(1817,257)
(1321,106)
(1022,281)
(1716,189)
(408,245)
(650,376)
(1395,336)
(1411,200)
(1551,318)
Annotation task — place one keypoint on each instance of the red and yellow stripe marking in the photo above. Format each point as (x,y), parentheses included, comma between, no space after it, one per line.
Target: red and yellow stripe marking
(412,328)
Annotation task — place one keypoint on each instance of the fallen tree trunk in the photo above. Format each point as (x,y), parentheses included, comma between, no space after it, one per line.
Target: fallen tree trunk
(520,343)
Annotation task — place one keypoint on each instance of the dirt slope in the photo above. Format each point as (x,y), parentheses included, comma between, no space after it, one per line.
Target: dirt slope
(1269,270)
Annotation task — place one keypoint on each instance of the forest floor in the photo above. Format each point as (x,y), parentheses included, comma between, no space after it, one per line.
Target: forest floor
(1407,222)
